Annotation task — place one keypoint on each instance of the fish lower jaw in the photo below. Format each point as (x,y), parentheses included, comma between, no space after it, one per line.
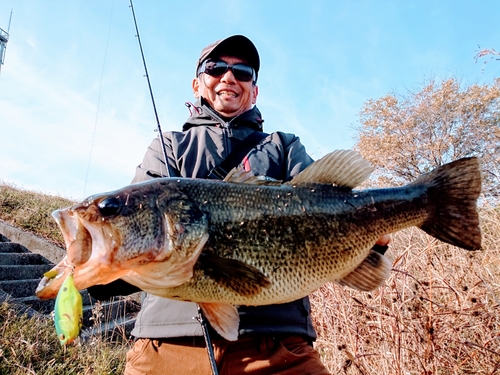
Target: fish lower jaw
(48,287)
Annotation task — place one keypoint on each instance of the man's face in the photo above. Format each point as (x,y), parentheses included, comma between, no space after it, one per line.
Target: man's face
(226,94)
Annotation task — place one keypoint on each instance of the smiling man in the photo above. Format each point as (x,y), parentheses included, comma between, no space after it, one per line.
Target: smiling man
(274,339)
(228,85)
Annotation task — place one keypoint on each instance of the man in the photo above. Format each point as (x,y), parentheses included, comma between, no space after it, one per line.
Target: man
(273,339)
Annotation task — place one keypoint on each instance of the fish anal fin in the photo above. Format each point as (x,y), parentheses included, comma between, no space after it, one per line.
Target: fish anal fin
(345,168)
(223,317)
(370,274)
(233,274)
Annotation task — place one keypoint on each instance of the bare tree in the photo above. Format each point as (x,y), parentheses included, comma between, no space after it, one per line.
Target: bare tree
(491,52)
(405,136)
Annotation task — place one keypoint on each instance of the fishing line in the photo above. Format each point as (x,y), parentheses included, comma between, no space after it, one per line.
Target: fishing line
(98,102)
(160,133)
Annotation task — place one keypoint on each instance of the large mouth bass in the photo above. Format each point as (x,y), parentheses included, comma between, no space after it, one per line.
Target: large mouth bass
(253,242)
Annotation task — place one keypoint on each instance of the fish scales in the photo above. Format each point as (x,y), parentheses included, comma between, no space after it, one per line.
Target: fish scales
(323,226)
(250,241)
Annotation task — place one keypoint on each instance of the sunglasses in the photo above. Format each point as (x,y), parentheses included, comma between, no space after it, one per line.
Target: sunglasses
(241,72)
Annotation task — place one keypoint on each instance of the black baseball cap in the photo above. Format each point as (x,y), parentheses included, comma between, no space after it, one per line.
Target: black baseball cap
(237,46)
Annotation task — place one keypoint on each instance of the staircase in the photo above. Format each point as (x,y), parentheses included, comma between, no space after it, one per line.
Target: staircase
(24,258)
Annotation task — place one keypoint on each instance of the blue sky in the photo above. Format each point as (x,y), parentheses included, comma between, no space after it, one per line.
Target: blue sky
(75,112)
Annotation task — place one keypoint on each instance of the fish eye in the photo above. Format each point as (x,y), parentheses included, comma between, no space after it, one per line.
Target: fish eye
(109,206)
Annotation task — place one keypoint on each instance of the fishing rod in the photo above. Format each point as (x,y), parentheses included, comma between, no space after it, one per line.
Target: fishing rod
(200,317)
(160,133)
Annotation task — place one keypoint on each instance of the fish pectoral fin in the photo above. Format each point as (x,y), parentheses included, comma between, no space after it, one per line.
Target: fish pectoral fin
(370,274)
(345,168)
(236,275)
(223,317)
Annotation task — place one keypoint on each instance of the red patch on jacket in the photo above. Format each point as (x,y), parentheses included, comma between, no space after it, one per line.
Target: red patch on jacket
(246,164)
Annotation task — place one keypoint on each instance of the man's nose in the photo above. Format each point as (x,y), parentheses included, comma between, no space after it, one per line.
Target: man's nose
(228,76)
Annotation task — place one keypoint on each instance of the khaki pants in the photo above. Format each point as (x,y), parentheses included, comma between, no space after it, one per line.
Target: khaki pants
(259,355)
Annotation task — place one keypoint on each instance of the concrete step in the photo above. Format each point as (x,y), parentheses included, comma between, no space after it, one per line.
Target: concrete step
(22,259)
(20,308)
(19,288)
(21,271)
(27,287)
(17,272)
(42,306)
(12,247)
(46,306)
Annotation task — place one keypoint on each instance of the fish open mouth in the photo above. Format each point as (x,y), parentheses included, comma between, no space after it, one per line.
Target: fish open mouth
(87,256)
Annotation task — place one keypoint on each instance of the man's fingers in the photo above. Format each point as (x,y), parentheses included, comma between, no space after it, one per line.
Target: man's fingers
(384,240)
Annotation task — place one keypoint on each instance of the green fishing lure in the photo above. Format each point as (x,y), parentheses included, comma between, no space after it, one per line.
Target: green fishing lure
(68,312)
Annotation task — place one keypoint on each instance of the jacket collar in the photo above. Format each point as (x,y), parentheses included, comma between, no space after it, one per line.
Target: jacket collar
(202,114)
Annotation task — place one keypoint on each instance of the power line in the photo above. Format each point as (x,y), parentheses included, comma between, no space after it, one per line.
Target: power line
(98,102)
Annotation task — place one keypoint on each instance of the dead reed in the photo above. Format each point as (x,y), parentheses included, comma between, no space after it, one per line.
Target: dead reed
(438,313)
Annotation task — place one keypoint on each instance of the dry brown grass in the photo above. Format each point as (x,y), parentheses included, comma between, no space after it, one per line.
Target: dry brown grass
(29,345)
(438,313)
(31,211)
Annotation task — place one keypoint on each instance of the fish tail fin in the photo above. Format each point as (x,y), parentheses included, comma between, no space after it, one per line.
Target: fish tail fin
(454,189)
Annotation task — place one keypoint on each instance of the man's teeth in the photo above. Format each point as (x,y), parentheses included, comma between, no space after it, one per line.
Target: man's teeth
(229,93)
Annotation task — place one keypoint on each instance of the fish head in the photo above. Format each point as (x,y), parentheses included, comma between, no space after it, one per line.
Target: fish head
(145,229)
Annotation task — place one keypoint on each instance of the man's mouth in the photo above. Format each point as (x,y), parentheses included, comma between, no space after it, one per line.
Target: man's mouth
(227,93)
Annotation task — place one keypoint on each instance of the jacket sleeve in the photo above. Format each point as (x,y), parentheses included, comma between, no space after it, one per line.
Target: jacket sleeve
(152,166)
(296,159)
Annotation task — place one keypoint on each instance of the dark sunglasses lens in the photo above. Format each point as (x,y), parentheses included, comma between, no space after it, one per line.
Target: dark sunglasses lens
(216,69)
(241,72)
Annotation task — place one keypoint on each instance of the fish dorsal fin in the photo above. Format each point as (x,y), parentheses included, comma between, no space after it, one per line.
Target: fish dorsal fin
(344,168)
(370,274)
(223,317)
(241,176)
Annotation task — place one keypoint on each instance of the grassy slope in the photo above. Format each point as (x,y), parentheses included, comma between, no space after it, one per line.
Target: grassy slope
(439,312)
(30,345)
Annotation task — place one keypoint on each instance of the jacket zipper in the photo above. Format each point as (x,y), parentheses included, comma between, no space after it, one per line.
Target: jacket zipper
(225,129)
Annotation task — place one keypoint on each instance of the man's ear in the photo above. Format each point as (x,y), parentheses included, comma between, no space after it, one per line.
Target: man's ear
(255,92)
(196,87)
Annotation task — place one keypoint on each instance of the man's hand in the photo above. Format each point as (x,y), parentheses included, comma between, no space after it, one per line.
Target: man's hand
(384,240)
(382,244)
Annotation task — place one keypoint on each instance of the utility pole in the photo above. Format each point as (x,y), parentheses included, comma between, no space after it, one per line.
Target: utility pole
(4,38)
